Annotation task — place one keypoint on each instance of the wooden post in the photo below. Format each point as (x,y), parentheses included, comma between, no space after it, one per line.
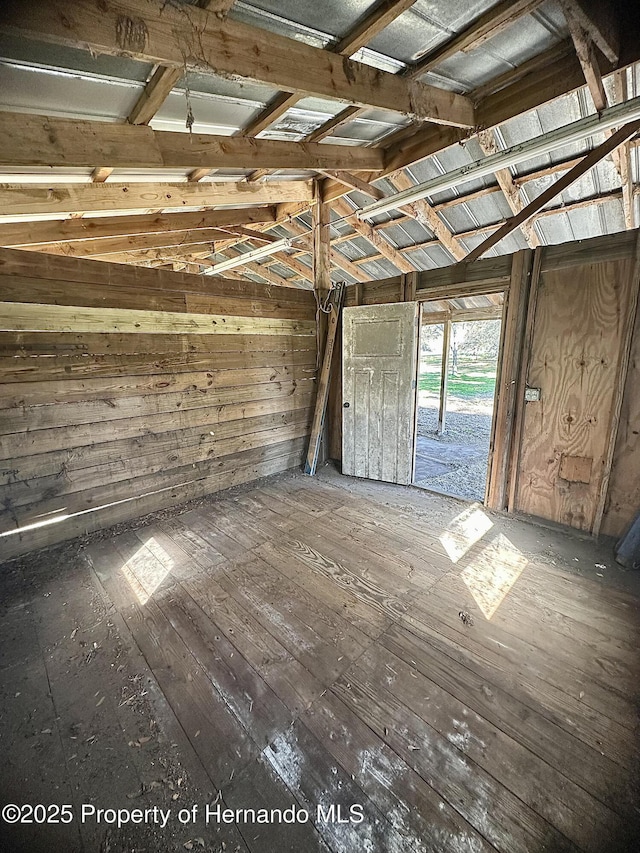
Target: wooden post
(516,440)
(408,286)
(321,282)
(511,341)
(444,378)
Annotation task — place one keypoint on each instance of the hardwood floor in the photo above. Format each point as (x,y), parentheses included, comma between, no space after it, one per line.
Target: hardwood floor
(326,642)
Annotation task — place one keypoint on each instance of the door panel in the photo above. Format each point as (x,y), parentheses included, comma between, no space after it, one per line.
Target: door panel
(380,344)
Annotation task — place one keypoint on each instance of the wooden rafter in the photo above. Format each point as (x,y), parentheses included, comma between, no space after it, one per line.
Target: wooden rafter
(485,229)
(261,270)
(623,158)
(332,124)
(420,210)
(489,145)
(338,260)
(599,21)
(100,174)
(583,39)
(425,214)
(371,24)
(230,47)
(343,209)
(353,182)
(154,94)
(587,163)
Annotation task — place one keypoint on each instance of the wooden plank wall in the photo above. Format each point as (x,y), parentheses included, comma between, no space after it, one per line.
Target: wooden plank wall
(125,390)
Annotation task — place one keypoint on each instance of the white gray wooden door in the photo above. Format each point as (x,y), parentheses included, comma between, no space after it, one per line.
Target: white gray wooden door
(379,352)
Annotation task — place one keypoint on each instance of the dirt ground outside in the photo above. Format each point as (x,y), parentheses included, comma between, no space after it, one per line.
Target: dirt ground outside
(454,463)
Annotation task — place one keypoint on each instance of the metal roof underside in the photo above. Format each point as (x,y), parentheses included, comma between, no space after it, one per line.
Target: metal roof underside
(59,81)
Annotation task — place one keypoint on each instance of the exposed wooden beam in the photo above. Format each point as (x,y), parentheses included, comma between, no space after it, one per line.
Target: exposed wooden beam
(256,176)
(343,209)
(100,174)
(154,94)
(83,198)
(424,213)
(353,182)
(489,145)
(338,260)
(53,231)
(294,264)
(420,211)
(198,174)
(251,234)
(326,129)
(371,24)
(260,270)
(487,26)
(622,156)
(484,229)
(131,243)
(274,110)
(587,163)
(33,140)
(188,36)
(190,253)
(599,19)
(586,53)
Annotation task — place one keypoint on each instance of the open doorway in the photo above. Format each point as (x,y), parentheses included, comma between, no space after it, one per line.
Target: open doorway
(458,365)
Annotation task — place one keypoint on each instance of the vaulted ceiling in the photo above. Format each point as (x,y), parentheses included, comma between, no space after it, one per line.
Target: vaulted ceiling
(187,134)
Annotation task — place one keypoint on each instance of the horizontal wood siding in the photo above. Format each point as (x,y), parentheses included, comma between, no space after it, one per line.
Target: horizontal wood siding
(126,390)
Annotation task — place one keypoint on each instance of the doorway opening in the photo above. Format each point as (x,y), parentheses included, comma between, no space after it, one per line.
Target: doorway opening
(458,366)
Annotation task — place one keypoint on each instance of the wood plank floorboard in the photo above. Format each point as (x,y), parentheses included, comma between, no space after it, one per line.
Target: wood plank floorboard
(334,646)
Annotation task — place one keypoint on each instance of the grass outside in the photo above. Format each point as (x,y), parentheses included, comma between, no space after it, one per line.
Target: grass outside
(474,378)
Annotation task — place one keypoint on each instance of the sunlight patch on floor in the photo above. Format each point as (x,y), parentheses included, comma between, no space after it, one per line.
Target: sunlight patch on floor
(145,571)
(491,575)
(464,531)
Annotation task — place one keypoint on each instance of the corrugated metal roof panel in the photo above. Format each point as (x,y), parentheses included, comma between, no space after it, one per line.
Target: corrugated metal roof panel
(66,94)
(45,55)
(331,17)
(425,26)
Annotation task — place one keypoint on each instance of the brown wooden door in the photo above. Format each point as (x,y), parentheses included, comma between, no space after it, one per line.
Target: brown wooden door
(380,345)
(575,358)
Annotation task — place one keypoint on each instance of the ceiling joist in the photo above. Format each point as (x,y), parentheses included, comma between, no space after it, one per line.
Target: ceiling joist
(72,230)
(84,198)
(32,140)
